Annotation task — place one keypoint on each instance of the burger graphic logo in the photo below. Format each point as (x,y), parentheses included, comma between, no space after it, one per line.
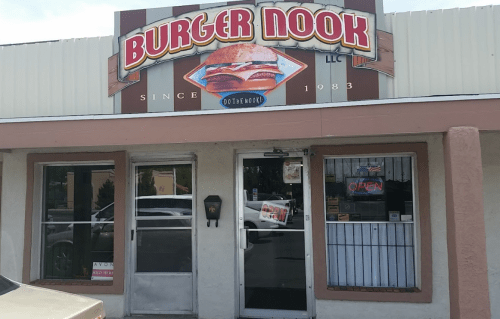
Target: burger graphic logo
(243,74)
(241,67)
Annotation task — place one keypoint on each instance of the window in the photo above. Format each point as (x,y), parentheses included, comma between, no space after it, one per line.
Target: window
(77,223)
(371,224)
(163,206)
(76,210)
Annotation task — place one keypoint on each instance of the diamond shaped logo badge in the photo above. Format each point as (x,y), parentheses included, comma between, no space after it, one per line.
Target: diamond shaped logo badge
(242,75)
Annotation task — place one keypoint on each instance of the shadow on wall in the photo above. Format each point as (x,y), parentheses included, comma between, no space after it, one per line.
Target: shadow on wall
(9,267)
(1,166)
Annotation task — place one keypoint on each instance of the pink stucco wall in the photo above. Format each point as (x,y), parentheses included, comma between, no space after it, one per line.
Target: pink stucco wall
(469,295)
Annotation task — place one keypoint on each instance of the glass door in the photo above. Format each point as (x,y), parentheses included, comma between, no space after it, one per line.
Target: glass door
(274,255)
(162,240)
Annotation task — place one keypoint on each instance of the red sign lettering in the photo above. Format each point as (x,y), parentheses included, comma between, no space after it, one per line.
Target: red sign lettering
(329,27)
(282,215)
(134,51)
(241,24)
(179,35)
(202,34)
(275,213)
(301,23)
(361,186)
(275,24)
(221,25)
(157,41)
(355,32)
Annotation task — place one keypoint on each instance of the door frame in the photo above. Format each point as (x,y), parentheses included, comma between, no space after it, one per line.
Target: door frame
(306,185)
(152,160)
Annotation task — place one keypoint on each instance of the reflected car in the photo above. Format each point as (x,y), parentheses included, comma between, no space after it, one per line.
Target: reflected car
(20,301)
(164,244)
(59,248)
(253,222)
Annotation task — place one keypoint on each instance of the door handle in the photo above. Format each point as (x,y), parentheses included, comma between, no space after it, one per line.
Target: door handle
(243,238)
(132,235)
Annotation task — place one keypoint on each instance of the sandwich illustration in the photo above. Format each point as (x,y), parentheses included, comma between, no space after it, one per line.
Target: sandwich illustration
(243,74)
(241,67)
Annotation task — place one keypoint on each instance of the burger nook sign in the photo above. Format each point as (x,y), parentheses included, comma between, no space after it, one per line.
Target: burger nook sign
(245,43)
(314,26)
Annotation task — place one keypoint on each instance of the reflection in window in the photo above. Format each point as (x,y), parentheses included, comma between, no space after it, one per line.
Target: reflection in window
(271,198)
(163,206)
(274,262)
(369,220)
(78,221)
(164,180)
(160,250)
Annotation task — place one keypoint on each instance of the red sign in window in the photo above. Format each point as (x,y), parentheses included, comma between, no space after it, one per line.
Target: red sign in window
(365,186)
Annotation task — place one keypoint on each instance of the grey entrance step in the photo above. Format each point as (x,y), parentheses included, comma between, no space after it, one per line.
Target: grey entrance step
(161,317)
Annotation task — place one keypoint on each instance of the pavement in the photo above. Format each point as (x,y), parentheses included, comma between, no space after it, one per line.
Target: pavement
(161,317)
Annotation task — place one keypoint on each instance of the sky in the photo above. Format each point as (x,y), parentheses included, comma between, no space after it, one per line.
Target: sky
(24,21)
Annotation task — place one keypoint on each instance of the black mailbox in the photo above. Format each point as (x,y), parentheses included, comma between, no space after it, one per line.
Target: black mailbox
(212,209)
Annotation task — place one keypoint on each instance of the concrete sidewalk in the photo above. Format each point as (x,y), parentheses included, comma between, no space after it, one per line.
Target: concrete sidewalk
(161,317)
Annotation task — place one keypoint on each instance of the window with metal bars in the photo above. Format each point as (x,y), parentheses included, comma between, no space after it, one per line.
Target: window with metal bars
(370,233)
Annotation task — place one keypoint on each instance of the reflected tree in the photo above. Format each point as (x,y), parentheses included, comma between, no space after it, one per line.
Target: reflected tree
(106,194)
(183,179)
(146,184)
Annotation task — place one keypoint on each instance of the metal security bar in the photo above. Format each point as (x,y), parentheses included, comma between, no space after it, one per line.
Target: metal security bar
(371,254)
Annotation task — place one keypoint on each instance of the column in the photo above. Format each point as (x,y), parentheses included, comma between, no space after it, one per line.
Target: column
(12,224)
(468,271)
(217,291)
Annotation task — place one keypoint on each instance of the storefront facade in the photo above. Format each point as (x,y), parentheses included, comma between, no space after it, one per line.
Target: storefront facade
(366,196)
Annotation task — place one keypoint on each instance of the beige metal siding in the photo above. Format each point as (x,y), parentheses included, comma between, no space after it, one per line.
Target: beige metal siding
(443,52)
(66,77)
(446,52)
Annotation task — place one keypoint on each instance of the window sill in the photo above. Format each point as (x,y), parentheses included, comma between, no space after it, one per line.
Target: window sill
(78,286)
(374,289)
(408,295)
(70,282)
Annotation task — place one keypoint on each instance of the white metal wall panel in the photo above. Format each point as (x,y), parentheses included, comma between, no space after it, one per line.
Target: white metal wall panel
(443,52)
(496,47)
(446,52)
(66,77)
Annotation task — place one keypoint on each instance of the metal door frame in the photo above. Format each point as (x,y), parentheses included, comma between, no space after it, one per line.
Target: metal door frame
(306,188)
(154,160)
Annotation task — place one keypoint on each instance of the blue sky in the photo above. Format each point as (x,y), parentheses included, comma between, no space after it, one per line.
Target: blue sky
(36,20)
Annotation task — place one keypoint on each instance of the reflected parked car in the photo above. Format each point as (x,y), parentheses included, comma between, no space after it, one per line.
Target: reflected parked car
(59,248)
(20,301)
(162,243)
(253,222)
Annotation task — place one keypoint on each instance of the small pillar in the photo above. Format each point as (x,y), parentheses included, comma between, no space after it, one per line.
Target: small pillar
(468,270)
